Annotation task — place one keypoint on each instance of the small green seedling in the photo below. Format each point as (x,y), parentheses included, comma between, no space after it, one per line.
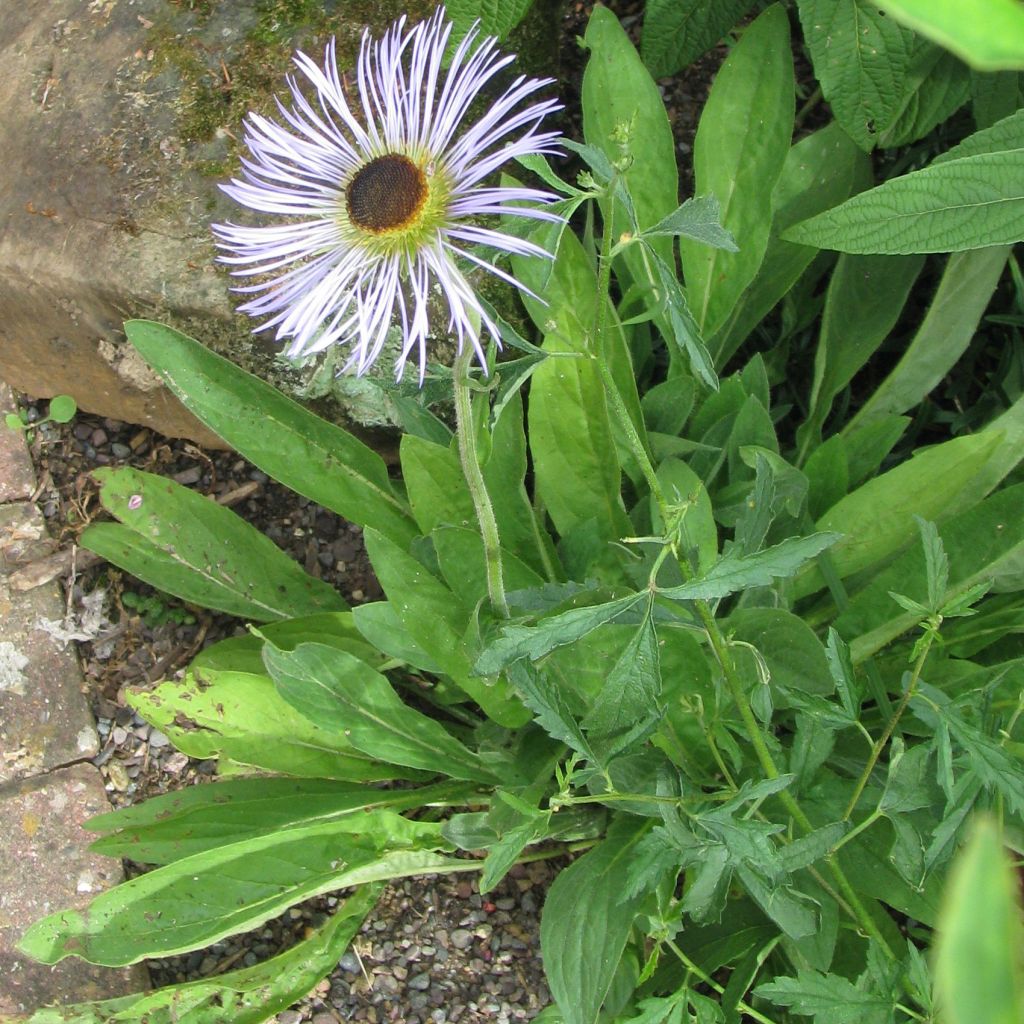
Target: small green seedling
(156,611)
(62,410)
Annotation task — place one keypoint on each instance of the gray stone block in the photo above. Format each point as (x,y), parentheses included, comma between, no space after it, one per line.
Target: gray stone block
(47,867)
(17,477)
(45,721)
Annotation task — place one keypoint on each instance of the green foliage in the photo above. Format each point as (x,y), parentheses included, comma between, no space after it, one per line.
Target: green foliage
(991,40)
(62,410)
(677,32)
(980,935)
(746,634)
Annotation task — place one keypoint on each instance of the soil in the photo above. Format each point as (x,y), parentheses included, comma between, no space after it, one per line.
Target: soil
(434,949)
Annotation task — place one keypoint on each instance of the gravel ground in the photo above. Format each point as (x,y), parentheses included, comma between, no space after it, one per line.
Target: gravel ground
(433,949)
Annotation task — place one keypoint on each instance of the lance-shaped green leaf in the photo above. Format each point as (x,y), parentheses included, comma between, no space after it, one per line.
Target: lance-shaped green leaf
(202,899)
(980,933)
(241,717)
(948,327)
(246,996)
(1005,136)
(341,693)
(535,641)
(865,297)
(311,456)
(821,170)
(985,543)
(437,623)
(586,923)
(179,824)
(620,94)
(245,653)
(877,519)
(683,331)
(731,574)
(185,544)
(970,203)
(571,432)
(990,42)
(738,153)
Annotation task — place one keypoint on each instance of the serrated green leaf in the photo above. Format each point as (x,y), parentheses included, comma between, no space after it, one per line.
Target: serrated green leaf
(988,759)
(862,59)
(677,32)
(937,85)
(828,998)
(984,543)
(541,694)
(970,203)
(698,218)
(742,572)
(627,708)
(533,642)
(497,17)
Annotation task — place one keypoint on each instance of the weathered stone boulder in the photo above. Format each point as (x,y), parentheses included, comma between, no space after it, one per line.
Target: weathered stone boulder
(117,120)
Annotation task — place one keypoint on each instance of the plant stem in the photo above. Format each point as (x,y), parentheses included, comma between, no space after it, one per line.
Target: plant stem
(475,482)
(764,756)
(708,980)
(876,751)
(704,611)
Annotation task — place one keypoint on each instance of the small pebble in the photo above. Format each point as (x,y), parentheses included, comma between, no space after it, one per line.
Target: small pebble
(461,938)
(188,476)
(419,982)
(289,1017)
(158,739)
(121,451)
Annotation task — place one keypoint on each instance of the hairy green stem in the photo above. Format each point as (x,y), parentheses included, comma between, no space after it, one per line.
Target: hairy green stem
(714,633)
(475,482)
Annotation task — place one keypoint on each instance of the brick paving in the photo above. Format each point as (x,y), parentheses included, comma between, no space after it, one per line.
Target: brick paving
(48,787)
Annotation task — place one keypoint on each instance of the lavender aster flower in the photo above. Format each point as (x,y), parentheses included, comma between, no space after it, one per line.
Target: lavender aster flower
(382,196)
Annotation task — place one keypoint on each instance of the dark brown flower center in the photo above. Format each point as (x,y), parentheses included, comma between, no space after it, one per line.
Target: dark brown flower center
(386,194)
